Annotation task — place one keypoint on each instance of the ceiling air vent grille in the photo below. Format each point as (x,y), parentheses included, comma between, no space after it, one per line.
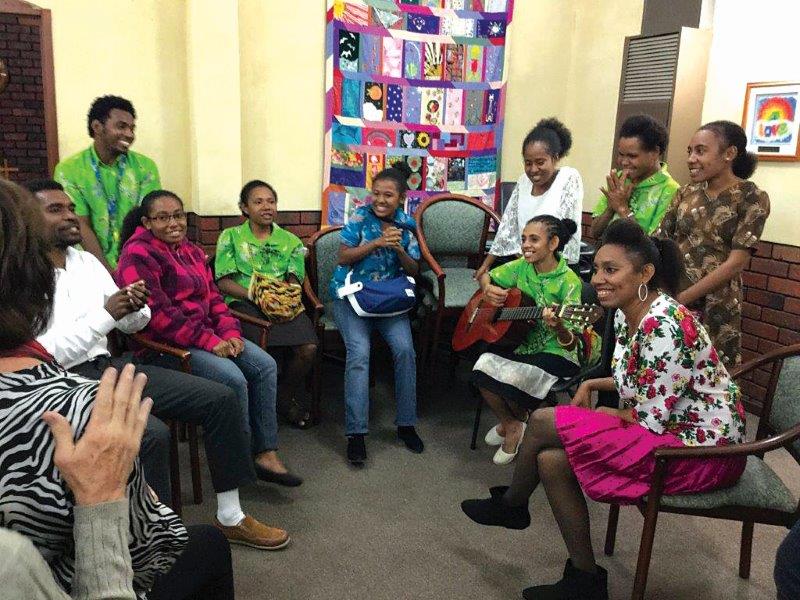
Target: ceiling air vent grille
(650,68)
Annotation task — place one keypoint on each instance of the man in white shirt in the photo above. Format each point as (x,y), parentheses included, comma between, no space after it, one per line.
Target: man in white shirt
(87,307)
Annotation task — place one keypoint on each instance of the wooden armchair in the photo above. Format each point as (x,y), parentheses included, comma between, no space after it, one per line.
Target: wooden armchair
(452,231)
(758,497)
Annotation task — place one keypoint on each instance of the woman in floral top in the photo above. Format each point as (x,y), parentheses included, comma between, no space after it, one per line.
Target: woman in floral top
(378,243)
(674,392)
(717,221)
(513,383)
(259,245)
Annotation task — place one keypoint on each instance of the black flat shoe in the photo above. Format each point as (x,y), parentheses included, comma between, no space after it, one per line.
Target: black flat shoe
(270,476)
(574,585)
(495,512)
(408,435)
(356,449)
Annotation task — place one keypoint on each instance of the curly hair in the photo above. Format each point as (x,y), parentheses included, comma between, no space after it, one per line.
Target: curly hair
(651,134)
(553,134)
(101,108)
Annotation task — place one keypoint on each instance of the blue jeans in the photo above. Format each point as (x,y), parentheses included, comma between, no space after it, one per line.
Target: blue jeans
(252,376)
(356,333)
(787,566)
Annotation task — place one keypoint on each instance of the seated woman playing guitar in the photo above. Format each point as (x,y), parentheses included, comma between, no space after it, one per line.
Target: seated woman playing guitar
(513,383)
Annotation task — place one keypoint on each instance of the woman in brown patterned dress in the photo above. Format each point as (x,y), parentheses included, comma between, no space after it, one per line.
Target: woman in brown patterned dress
(717,220)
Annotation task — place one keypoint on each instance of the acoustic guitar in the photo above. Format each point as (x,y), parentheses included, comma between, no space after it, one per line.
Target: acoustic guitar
(483,321)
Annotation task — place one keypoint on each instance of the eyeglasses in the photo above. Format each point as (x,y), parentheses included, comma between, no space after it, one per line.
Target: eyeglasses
(164,219)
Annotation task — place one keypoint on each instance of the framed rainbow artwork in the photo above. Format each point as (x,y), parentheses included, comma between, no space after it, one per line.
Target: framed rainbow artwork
(416,81)
(771,120)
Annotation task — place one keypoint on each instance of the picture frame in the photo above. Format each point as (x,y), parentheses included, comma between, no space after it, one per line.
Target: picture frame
(771,120)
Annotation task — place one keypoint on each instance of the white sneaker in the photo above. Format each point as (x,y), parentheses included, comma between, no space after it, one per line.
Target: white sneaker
(501,457)
(493,438)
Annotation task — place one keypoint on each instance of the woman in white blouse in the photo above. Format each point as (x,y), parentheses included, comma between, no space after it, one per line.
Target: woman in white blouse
(543,189)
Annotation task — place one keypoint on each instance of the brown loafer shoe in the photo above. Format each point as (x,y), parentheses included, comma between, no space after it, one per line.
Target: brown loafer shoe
(255,534)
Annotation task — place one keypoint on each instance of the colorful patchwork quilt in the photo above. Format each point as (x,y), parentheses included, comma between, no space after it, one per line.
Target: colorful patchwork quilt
(420,82)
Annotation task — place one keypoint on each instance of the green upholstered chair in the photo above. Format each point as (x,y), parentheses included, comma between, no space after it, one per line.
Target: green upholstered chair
(321,260)
(760,496)
(452,232)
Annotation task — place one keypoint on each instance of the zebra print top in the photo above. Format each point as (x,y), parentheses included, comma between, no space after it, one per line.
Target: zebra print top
(34,499)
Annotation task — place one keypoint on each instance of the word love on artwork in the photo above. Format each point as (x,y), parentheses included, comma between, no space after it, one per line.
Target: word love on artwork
(771,120)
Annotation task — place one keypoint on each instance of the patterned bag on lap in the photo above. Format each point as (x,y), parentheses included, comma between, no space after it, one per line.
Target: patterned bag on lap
(280,301)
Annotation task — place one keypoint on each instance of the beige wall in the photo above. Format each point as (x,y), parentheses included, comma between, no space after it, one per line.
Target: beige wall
(132,49)
(736,60)
(283,92)
(564,60)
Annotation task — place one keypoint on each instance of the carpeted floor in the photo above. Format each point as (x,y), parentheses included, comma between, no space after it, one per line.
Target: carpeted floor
(394,529)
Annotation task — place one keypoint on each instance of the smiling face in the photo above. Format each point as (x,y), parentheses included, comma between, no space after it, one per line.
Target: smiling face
(117,133)
(540,166)
(386,198)
(166,220)
(61,222)
(616,278)
(636,162)
(707,159)
(536,248)
(261,206)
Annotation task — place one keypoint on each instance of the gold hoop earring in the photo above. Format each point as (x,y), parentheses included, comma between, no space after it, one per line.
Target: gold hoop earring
(642,294)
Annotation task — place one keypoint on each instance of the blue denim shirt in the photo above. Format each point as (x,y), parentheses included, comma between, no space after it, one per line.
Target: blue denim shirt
(381,264)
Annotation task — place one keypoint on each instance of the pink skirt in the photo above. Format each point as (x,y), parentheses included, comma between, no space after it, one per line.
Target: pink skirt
(613,459)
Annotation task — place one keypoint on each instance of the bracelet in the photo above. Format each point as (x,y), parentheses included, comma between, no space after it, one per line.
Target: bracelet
(568,342)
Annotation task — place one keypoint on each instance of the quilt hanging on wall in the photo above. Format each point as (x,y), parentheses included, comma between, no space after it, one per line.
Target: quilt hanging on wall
(420,82)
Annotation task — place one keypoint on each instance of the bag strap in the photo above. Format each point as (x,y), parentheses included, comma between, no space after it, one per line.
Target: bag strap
(349,287)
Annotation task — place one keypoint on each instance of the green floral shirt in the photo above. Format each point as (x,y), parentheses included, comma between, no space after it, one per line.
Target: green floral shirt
(240,254)
(559,286)
(125,183)
(649,201)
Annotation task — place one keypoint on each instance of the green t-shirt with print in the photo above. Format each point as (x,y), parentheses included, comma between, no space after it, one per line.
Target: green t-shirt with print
(649,201)
(559,286)
(97,189)
(240,254)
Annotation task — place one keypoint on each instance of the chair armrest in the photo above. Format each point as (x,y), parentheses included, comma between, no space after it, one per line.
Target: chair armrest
(758,447)
(159,347)
(264,324)
(184,356)
(428,257)
(313,301)
(771,356)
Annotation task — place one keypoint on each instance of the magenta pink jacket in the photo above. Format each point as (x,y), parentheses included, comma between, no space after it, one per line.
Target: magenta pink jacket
(188,309)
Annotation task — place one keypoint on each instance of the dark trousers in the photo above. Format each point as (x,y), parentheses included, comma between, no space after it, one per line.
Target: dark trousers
(191,399)
(203,571)
(787,566)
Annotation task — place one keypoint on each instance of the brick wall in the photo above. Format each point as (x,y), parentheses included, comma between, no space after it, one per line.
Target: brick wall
(771,309)
(22,132)
(205,230)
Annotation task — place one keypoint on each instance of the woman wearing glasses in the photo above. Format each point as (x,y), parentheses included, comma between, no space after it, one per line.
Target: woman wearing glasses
(189,312)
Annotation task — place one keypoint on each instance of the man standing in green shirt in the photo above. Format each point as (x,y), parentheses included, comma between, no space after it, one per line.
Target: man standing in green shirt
(643,188)
(107,180)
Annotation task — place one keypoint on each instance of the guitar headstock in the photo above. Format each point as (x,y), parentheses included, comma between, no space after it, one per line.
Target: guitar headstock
(581,313)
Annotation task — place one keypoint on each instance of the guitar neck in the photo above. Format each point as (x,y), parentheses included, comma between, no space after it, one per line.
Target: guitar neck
(524,313)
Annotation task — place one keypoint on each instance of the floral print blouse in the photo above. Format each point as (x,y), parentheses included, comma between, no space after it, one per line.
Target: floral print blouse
(669,372)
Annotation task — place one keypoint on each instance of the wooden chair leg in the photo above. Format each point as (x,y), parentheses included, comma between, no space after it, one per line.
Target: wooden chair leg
(478,410)
(194,458)
(316,385)
(611,529)
(746,550)
(175,469)
(645,550)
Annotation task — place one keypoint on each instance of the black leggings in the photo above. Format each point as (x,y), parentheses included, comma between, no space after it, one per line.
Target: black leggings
(202,572)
